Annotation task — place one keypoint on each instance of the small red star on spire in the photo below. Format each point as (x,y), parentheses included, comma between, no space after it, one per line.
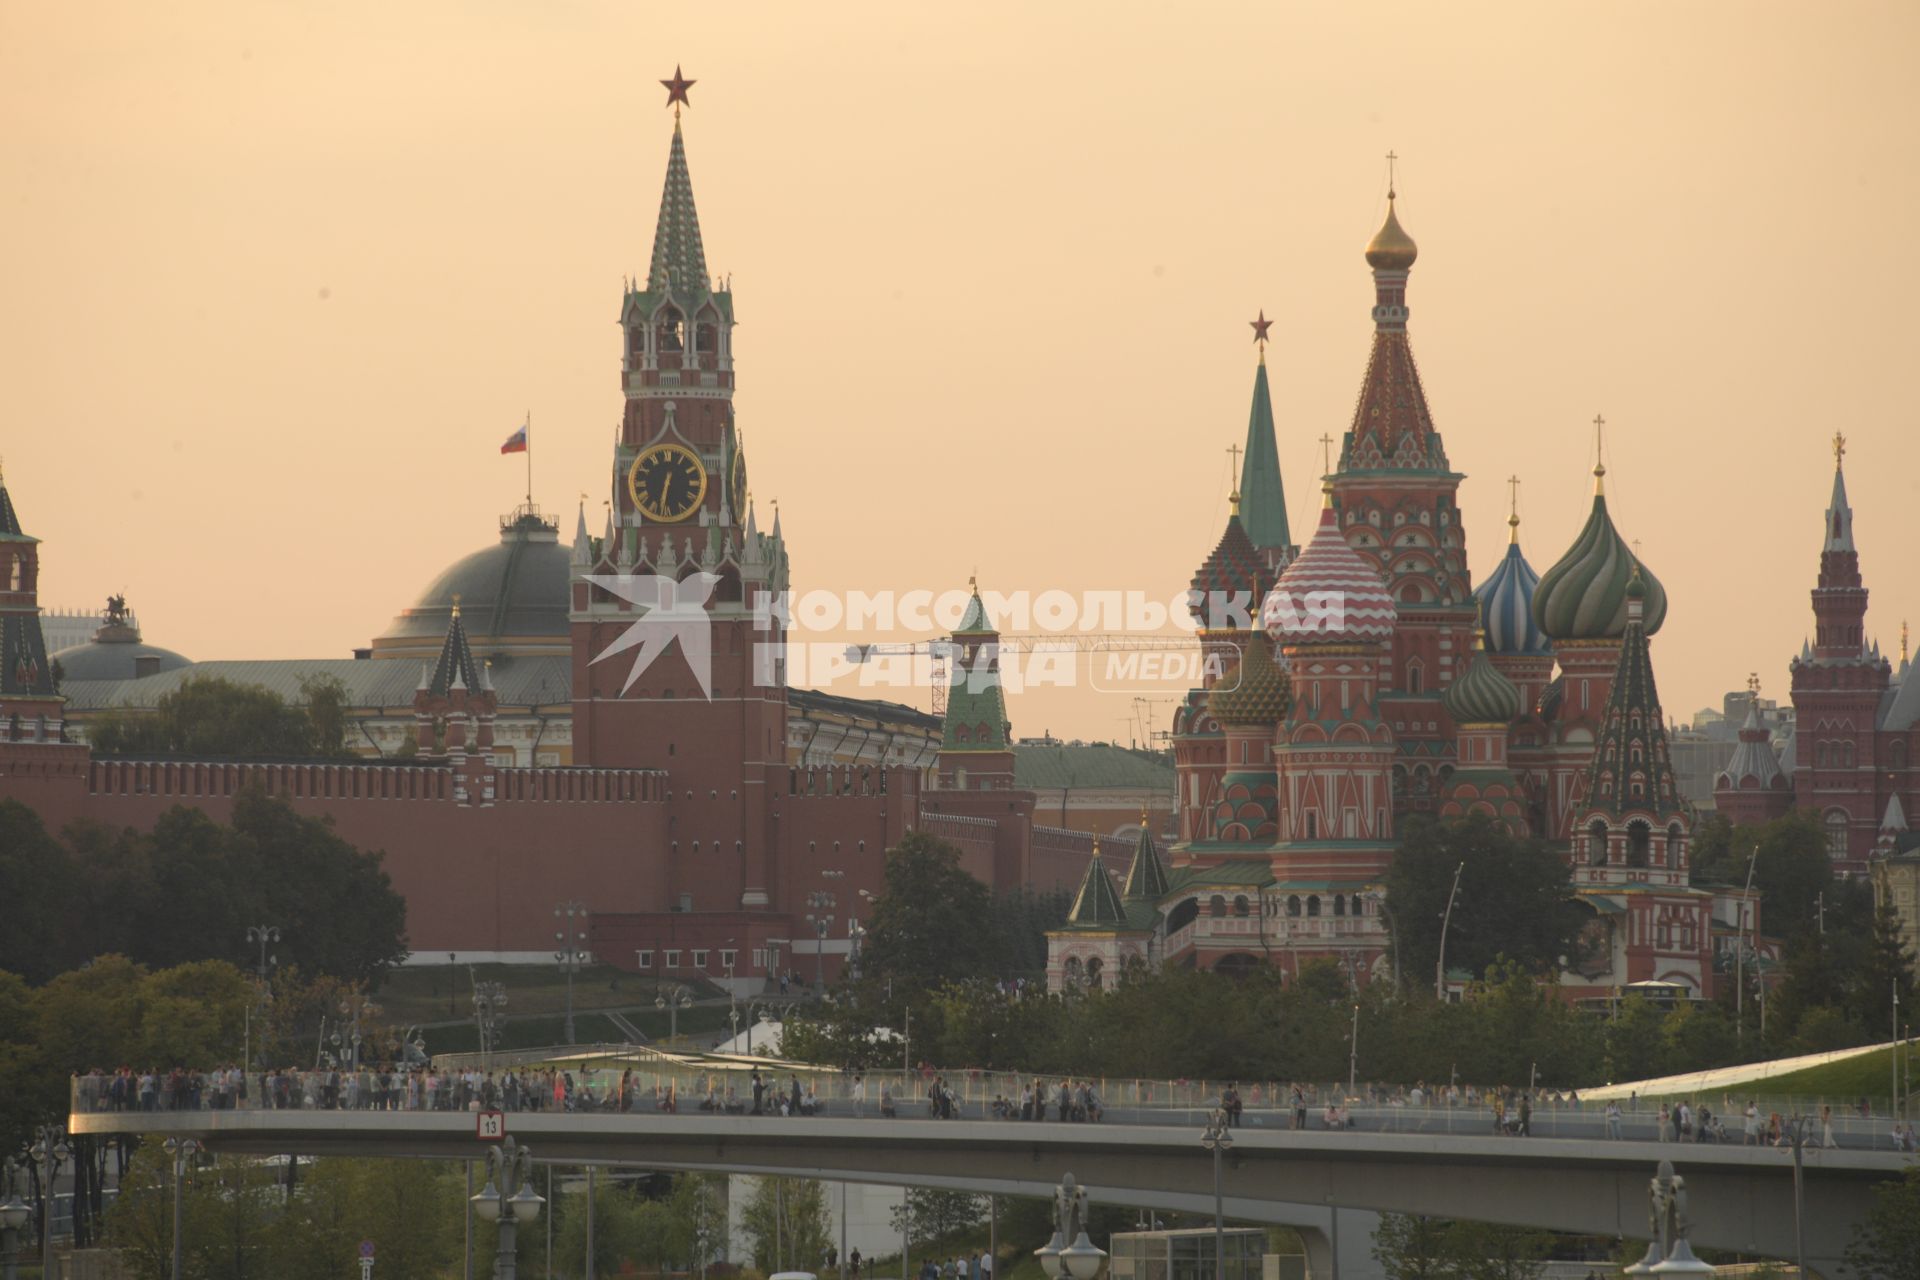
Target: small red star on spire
(677,88)
(1260,327)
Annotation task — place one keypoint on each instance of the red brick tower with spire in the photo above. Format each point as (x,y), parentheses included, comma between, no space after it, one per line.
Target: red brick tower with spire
(1839,682)
(1395,498)
(683,548)
(33,739)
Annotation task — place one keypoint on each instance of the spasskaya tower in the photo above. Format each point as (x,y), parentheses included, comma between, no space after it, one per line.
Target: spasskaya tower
(676,648)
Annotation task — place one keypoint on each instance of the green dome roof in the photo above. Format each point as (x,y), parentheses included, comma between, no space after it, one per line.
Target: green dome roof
(1584,596)
(1482,695)
(1253,692)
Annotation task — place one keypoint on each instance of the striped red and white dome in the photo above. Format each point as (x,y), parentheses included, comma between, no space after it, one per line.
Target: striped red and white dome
(1329,594)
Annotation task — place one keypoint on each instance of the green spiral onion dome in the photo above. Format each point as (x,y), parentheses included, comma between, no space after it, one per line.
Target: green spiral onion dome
(1482,695)
(1253,692)
(1584,596)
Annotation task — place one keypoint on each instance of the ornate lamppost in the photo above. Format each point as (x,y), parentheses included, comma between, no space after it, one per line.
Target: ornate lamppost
(1218,1139)
(489,998)
(573,949)
(49,1153)
(182,1150)
(14,1213)
(1070,1255)
(508,1199)
(820,918)
(263,934)
(673,1002)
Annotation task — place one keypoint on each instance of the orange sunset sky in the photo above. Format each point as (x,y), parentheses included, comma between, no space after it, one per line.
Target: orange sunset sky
(279,278)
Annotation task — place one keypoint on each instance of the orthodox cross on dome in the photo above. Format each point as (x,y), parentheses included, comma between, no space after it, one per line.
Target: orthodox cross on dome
(1903,642)
(1260,327)
(1391,157)
(1326,454)
(1753,684)
(1599,454)
(677,90)
(1513,508)
(1839,447)
(1233,476)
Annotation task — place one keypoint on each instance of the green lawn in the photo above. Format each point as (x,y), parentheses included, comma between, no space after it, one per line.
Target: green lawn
(419,993)
(1868,1074)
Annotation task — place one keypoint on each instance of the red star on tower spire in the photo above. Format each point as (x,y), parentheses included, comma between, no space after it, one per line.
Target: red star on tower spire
(1260,328)
(677,90)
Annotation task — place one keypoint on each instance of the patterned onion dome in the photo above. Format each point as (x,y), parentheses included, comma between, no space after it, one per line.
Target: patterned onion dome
(1506,606)
(1254,691)
(1391,248)
(1233,577)
(1584,597)
(1329,594)
(1482,695)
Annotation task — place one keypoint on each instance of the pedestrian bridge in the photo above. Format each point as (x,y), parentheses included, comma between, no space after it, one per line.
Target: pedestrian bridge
(1742,1197)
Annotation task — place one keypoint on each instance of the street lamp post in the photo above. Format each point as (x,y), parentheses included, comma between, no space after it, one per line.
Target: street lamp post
(820,918)
(182,1150)
(1353,1052)
(1740,954)
(1446,918)
(673,1002)
(49,1153)
(353,1008)
(263,934)
(573,949)
(14,1213)
(489,998)
(1219,1141)
(508,1199)
(1070,1255)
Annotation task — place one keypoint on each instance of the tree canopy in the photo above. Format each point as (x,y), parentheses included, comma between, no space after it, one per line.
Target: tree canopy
(190,888)
(1516,899)
(211,717)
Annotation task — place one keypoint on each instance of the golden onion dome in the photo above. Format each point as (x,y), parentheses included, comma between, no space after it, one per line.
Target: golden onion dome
(1391,248)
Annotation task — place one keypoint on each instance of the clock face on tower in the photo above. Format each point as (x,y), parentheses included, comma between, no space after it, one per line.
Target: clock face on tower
(667,483)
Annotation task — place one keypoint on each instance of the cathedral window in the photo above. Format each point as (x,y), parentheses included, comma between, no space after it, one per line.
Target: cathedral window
(1675,842)
(1639,843)
(1241,907)
(1073,971)
(1597,844)
(1819,755)
(1897,754)
(1313,904)
(1217,906)
(1313,829)
(1836,825)
(1095,968)
(1293,904)
(1339,904)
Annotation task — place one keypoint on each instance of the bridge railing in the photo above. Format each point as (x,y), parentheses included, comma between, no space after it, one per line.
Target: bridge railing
(972,1094)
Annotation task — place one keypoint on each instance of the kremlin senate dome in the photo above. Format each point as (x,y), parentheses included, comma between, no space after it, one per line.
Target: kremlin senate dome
(1482,695)
(513,597)
(1329,594)
(1584,596)
(116,651)
(1254,692)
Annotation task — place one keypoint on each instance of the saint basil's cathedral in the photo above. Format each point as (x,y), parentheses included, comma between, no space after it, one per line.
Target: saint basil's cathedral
(1379,685)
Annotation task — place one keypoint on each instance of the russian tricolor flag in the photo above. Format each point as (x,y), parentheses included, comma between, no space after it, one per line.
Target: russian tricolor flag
(517,442)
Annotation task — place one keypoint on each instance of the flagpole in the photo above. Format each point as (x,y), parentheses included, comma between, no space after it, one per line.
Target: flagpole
(527,422)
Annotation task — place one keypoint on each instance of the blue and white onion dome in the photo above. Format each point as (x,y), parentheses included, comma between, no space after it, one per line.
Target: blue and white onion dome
(1506,603)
